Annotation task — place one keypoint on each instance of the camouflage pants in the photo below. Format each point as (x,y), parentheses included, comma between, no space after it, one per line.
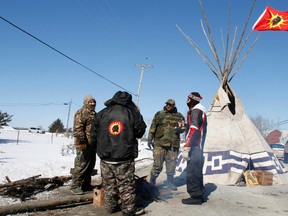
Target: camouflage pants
(161,154)
(119,185)
(84,164)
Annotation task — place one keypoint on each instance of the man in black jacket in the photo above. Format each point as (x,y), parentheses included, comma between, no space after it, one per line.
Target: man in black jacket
(115,131)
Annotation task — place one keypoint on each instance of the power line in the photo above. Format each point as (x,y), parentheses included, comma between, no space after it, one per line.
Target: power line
(33,104)
(277,124)
(66,56)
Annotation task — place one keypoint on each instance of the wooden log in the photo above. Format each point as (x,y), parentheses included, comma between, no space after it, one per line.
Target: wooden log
(27,187)
(35,179)
(46,204)
(21,181)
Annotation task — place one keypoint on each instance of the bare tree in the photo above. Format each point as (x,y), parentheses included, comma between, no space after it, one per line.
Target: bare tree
(262,124)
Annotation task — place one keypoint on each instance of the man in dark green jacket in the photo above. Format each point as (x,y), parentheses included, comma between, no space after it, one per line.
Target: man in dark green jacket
(164,137)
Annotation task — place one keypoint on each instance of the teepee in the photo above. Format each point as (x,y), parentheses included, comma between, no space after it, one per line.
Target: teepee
(233,144)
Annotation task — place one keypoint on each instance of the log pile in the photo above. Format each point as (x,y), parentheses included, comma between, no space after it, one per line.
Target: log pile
(28,187)
(25,188)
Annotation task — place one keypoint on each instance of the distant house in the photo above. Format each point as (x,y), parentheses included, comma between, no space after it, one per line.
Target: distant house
(274,137)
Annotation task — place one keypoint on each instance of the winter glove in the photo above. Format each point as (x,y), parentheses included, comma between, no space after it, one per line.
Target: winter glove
(82,144)
(83,140)
(150,144)
(179,130)
(181,127)
(81,147)
(185,153)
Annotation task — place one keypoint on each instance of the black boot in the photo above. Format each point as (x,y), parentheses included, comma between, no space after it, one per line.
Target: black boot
(170,183)
(193,201)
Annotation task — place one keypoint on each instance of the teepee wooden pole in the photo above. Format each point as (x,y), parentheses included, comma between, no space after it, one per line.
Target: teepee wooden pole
(231,54)
(211,48)
(214,50)
(225,66)
(201,53)
(232,48)
(244,57)
(238,50)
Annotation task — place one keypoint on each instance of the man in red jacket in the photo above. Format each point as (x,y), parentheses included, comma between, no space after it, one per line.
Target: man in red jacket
(193,149)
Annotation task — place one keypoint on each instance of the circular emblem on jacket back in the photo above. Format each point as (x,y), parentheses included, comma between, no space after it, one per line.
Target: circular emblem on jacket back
(115,128)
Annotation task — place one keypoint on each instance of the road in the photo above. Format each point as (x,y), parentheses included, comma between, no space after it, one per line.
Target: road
(222,200)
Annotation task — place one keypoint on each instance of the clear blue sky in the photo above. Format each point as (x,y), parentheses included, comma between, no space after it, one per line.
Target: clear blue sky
(110,37)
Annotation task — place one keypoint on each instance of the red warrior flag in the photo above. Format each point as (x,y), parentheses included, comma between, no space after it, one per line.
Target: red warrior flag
(272,19)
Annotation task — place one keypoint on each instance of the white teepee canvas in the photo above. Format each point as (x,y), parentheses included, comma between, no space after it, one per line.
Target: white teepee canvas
(233,144)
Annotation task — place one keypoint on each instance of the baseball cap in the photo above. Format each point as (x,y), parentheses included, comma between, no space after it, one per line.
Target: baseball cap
(170,101)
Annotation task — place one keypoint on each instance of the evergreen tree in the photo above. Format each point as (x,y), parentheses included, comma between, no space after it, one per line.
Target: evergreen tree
(57,127)
(5,118)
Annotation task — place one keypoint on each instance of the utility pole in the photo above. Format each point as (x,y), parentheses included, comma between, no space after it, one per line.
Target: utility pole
(70,102)
(143,66)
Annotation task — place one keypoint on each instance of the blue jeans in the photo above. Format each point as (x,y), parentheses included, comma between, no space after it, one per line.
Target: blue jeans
(194,173)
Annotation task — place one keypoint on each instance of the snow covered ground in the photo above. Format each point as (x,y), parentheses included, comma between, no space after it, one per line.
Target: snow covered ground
(24,154)
(47,155)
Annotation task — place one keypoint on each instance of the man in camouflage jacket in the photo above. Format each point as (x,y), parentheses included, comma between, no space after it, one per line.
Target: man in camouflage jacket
(164,137)
(85,152)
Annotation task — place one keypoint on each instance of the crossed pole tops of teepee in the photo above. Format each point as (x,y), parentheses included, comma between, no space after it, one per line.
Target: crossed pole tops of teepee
(232,48)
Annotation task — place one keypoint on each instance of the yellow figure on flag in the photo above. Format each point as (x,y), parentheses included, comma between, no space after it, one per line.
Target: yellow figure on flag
(272,19)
